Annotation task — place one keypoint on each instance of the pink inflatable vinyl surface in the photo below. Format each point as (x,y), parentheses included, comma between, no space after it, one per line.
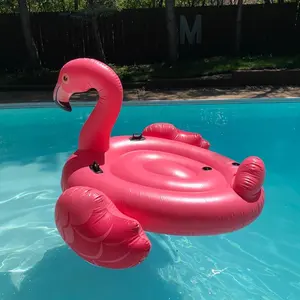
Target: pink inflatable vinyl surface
(164,180)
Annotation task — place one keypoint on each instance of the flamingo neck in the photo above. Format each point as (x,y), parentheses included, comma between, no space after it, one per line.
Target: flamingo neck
(95,133)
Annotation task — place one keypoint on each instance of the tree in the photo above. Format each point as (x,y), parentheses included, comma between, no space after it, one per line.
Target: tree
(90,13)
(93,11)
(172,30)
(238,37)
(29,41)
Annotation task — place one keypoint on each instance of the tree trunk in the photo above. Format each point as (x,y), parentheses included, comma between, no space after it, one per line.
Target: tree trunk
(76,4)
(63,5)
(31,48)
(96,31)
(172,30)
(238,37)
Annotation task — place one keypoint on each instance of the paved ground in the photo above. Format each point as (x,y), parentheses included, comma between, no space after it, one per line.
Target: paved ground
(195,94)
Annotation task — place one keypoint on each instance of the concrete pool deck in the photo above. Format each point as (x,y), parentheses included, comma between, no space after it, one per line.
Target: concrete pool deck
(172,94)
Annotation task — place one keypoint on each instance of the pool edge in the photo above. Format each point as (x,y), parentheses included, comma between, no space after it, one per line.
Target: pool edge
(51,104)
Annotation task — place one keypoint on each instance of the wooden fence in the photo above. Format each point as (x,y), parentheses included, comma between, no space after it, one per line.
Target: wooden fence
(140,36)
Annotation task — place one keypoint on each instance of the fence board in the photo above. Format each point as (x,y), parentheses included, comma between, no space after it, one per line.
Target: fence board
(140,36)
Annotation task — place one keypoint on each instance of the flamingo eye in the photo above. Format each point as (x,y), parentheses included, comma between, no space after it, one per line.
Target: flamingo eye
(65,78)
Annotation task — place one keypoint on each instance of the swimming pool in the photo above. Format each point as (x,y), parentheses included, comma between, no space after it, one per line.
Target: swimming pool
(258,262)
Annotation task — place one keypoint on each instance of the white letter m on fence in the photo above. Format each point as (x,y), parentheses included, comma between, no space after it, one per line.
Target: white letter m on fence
(192,35)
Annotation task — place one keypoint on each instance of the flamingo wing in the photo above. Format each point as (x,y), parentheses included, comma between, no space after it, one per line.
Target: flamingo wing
(97,231)
(170,132)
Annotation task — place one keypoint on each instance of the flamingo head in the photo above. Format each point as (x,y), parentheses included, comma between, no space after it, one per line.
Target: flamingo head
(74,77)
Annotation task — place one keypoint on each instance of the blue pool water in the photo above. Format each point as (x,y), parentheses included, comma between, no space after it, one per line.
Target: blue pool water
(260,262)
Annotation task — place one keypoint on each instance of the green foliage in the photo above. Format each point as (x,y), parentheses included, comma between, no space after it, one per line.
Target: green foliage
(186,69)
(11,6)
(7,6)
(50,5)
(134,4)
(96,11)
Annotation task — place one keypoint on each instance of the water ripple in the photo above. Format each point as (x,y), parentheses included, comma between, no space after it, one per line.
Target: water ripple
(258,262)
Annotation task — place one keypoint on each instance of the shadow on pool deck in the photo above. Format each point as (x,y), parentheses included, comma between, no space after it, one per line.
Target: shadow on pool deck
(62,275)
(171,94)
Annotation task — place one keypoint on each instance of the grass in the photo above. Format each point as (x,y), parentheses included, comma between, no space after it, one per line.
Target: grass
(186,69)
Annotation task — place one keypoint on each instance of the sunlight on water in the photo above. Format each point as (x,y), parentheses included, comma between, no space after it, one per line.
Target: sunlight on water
(27,228)
(258,262)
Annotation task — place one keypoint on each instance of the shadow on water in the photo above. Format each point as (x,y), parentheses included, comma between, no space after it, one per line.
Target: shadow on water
(62,275)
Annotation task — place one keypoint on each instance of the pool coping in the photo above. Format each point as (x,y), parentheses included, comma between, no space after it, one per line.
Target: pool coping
(51,104)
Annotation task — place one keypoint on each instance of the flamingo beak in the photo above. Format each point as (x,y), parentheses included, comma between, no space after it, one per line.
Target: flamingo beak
(62,98)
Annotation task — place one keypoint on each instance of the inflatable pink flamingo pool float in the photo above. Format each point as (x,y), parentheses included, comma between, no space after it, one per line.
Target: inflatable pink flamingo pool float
(164,180)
